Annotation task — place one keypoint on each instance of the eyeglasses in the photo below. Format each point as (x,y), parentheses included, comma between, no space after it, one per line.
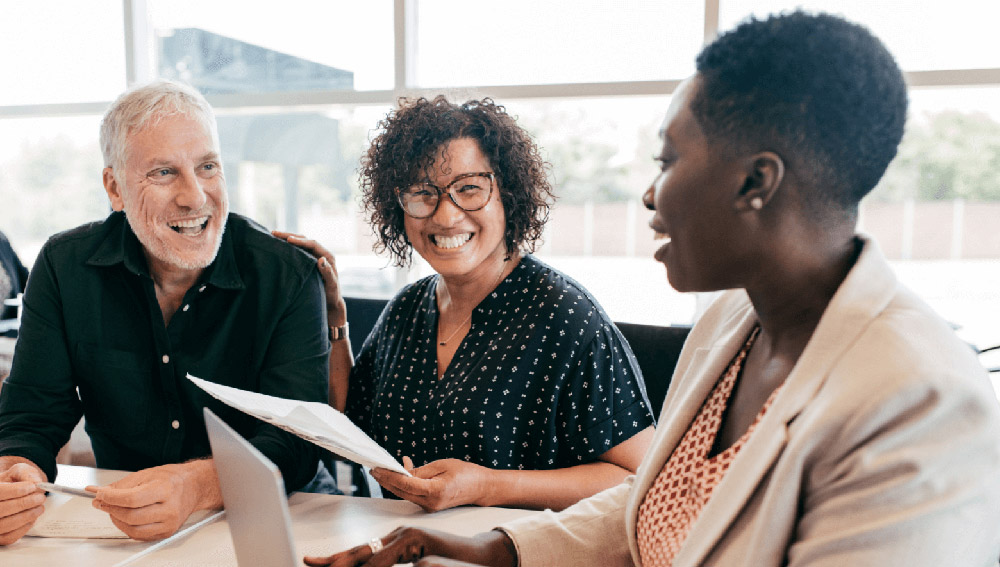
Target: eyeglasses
(469,192)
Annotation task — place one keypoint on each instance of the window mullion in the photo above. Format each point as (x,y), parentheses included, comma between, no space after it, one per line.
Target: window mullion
(139,59)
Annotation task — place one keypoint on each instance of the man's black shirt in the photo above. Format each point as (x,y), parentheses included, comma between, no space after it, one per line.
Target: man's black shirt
(93,342)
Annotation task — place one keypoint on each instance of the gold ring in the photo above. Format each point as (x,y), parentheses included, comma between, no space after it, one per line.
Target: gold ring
(375,544)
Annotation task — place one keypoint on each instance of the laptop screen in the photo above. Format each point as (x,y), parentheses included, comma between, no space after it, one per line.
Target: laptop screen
(254,496)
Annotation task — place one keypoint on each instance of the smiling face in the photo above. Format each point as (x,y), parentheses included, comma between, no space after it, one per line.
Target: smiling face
(694,199)
(454,242)
(173,193)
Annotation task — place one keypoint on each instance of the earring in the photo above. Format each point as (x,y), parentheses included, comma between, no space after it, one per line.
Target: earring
(756,203)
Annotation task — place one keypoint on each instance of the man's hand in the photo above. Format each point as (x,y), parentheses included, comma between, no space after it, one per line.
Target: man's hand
(438,485)
(336,310)
(153,503)
(427,548)
(21,502)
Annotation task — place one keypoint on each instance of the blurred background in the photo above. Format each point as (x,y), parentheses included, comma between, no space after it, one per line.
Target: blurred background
(300,85)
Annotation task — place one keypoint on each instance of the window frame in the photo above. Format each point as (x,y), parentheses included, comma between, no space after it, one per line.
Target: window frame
(140,67)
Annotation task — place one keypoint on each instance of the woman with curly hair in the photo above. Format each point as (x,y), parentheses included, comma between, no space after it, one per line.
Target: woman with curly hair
(501,378)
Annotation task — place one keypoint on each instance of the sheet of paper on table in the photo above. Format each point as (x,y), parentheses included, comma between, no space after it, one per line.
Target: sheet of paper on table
(76,518)
(312,421)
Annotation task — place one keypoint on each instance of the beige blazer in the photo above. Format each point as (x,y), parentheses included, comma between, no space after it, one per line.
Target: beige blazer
(882,449)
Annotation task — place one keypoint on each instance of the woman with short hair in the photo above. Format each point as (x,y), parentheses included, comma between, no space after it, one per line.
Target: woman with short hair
(821,415)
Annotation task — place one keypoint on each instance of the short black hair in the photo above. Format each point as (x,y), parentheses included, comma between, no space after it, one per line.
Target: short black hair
(822,92)
(409,142)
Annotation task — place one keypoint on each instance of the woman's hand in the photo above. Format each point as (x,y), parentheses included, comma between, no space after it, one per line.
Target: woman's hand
(440,484)
(427,548)
(336,310)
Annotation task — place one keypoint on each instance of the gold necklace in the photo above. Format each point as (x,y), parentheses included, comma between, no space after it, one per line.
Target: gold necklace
(466,320)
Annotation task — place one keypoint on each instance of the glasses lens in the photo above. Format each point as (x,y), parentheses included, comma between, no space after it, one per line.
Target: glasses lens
(472,192)
(419,200)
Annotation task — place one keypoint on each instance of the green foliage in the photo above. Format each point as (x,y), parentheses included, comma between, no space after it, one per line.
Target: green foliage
(587,161)
(944,156)
(53,185)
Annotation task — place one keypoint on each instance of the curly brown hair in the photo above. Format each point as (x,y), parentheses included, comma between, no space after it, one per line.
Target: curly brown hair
(409,142)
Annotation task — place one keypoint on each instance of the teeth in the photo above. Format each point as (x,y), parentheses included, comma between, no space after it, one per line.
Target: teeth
(661,236)
(192,223)
(449,242)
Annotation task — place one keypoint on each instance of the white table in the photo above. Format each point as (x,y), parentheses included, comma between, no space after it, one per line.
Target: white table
(321,524)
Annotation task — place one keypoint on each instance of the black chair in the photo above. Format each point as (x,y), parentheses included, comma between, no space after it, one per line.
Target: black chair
(985,359)
(362,313)
(656,349)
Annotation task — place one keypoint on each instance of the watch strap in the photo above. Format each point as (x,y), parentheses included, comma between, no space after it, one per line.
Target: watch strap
(338,333)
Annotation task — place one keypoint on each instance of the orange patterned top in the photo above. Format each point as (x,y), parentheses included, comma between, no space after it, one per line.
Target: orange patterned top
(689,476)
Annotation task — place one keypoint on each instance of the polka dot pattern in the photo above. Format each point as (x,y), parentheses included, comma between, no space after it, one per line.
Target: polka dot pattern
(688,478)
(542,380)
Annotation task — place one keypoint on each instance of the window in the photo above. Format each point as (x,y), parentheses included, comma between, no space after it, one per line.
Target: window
(36,39)
(524,42)
(934,213)
(297,170)
(922,34)
(50,173)
(300,86)
(233,46)
(601,151)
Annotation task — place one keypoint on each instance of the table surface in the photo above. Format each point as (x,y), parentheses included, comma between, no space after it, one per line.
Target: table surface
(321,524)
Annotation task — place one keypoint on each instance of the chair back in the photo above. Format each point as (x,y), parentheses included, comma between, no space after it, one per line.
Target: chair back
(362,313)
(656,349)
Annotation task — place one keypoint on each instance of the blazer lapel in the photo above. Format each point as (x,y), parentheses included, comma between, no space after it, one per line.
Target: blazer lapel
(688,392)
(864,293)
(694,384)
(740,481)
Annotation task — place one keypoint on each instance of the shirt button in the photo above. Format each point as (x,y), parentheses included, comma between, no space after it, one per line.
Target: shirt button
(186,307)
(175,424)
(202,288)
(166,359)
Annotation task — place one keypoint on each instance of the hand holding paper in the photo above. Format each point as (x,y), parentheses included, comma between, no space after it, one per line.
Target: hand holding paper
(312,421)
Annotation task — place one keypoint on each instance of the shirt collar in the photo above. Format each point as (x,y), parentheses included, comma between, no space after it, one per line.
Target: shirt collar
(120,246)
(224,272)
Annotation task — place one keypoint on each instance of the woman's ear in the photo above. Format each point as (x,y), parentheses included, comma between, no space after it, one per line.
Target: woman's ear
(765,172)
(113,189)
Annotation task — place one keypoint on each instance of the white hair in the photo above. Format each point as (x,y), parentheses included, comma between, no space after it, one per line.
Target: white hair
(146,104)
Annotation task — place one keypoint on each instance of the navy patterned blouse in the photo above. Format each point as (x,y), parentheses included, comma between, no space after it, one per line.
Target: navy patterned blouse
(542,380)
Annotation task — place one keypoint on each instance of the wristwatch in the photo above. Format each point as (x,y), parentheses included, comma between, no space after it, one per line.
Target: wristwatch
(338,333)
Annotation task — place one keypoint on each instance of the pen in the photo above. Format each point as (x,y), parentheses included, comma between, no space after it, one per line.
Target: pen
(49,487)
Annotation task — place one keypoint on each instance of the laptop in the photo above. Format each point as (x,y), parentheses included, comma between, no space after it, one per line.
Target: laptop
(253,493)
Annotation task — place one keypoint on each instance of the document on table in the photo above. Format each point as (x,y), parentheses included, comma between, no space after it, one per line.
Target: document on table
(312,421)
(78,519)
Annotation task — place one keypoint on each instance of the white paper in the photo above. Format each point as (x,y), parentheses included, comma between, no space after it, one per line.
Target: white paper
(312,421)
(77,518)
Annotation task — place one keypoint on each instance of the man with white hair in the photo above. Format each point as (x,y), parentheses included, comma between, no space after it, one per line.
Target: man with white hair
(117,312)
